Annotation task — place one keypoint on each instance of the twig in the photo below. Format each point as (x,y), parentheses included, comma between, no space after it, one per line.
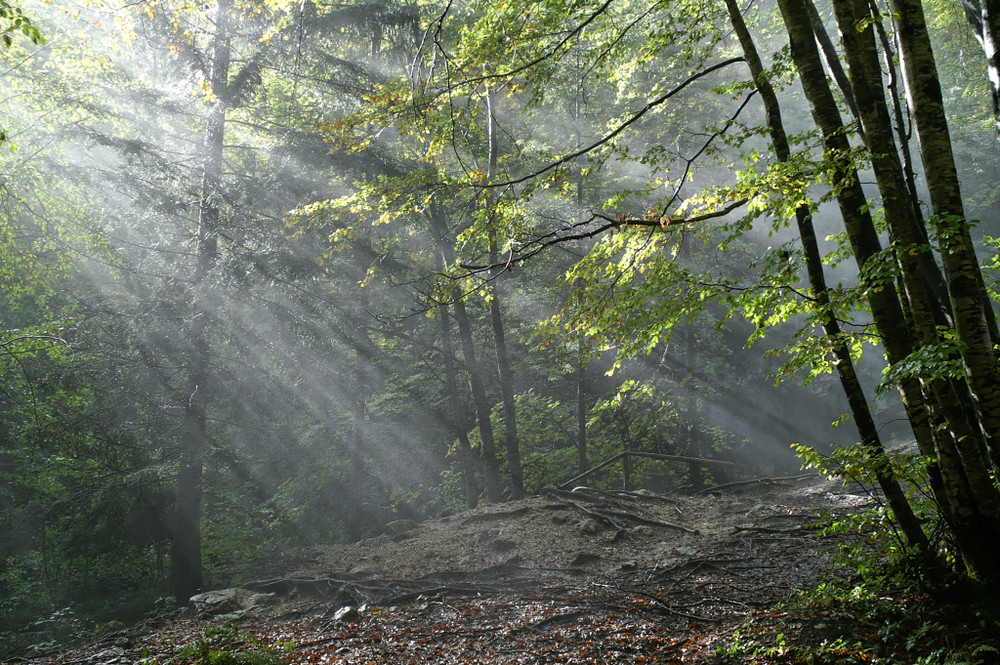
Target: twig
(738,483)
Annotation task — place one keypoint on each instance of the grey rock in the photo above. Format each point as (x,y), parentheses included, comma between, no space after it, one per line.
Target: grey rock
(227,601)
(585,559)
(367,570)
(400,527)
(346,614)
(501,545)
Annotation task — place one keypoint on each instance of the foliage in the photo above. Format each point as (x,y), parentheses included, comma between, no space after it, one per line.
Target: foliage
(225,645)
(13,19)
(879,619)
(598,171)
(884,611)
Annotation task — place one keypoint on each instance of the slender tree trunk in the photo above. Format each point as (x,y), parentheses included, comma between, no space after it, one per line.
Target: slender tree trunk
(581,413)
(861,53)
(850,383)
(581,356)
(975,323)
(457,414)
(358,517)
(939,417)
(832,59)
(185,575)
(488,450)
(496,316)
(984,18)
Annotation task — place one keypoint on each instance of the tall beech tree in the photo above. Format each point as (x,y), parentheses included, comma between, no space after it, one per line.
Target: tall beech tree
(185,558)
(938,343)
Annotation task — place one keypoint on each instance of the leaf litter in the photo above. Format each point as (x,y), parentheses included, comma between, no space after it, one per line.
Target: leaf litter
(663,579)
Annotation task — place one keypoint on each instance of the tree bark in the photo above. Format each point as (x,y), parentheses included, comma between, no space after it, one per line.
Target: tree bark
(860,410)
(457,414)
(496,315)
(945,426)
(185,575)
(984,18)
(975,323)
(488,451)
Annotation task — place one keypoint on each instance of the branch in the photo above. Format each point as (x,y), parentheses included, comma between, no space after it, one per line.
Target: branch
(547,240)
(621,128)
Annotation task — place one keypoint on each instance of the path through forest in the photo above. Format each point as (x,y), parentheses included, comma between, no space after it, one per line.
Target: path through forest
(580,577)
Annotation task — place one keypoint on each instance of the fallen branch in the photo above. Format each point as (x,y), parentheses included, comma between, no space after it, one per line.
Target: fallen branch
(555,494)
(754,481)
(652,522)
(657,456)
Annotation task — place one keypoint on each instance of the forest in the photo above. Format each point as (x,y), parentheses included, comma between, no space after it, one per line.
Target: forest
(279,273)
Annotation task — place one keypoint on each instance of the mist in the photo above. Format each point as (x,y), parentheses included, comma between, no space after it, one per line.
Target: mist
(269,283)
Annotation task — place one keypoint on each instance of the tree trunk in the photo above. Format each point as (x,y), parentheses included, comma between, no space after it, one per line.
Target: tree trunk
(457,414)
(849,381)
(488,450)
(357,517)
(581,409)
(496,315)
(975,323)
(185,577)
(933,412)
(984,17)
(832,58)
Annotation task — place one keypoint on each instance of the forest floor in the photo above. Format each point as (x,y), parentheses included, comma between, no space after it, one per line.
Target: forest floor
(578,577)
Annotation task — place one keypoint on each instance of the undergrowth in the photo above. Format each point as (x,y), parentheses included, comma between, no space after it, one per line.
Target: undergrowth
(888,610)
(223,645)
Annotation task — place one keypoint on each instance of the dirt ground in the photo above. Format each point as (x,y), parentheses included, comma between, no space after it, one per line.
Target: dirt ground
(545,534)
(566,577)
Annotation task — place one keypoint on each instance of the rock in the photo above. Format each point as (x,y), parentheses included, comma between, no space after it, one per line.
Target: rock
(590,526)
(367,570)
(760,510)
(484,538)
(584,559)
(110,656)
(400,527)
(346,614)
(684,550)
(227,601)
(643,530)
(501,545)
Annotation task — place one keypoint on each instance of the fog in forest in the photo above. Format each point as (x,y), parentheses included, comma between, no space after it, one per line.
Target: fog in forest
(278,274)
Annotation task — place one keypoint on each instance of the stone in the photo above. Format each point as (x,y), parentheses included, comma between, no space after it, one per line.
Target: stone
(584,559)
(590,526)
(760,510)
(367,570)
(346,614)
(400,527)
(484,538)
(228,601)
(501,545)
(643,530)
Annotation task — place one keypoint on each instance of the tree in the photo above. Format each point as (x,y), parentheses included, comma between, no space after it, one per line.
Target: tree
(940,353)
